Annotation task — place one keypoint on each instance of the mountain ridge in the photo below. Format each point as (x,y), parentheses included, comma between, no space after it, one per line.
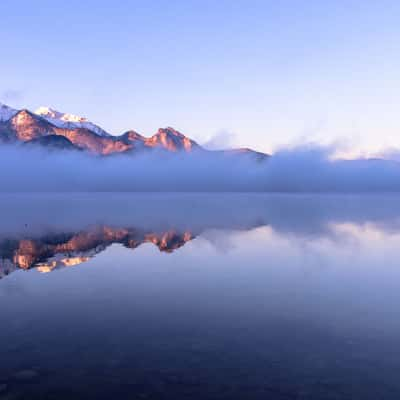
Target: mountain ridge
(81,134)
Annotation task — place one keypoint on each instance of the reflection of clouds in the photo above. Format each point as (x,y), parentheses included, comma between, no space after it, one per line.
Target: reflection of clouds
(370,237)
(221,240)
(225,241)
(310,253)
(343,234)
(351,233)
(347,244)
(367,231)
(312,223)
(305,215)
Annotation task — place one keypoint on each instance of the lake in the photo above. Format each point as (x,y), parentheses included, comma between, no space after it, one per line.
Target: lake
(199,296)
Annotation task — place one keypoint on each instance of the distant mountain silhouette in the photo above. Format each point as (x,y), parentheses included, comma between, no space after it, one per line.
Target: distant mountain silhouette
(41,127)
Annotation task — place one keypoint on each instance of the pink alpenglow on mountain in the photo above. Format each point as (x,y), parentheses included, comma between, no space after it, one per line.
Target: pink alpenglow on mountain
(53,129)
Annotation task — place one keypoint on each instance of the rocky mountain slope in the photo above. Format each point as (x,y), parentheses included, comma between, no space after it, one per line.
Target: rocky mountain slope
(43,126)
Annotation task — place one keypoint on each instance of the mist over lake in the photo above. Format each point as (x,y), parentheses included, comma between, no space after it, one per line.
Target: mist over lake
(301,169)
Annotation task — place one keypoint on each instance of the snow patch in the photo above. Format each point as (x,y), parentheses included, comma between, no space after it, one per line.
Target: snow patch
(69,121)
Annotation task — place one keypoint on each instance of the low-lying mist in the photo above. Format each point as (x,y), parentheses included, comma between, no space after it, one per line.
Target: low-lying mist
(302,169)
(305,214)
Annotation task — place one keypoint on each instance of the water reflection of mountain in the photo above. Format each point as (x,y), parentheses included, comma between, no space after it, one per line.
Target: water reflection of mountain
(167,220)
(53,251)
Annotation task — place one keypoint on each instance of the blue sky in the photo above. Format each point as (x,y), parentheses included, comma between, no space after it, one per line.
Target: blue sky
(262,74)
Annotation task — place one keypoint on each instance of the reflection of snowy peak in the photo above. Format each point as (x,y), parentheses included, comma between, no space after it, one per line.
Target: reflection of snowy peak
(70,249)
(69,259)
(6,112)
(69,121)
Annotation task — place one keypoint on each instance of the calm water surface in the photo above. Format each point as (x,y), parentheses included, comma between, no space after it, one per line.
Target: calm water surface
(175,296)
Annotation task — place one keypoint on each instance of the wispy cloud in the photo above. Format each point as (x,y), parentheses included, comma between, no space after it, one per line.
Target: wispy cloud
(221,140)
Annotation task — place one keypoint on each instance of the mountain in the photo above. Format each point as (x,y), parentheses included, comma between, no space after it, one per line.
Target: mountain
(69,121)
(171,140)
(45,126)
(25,126)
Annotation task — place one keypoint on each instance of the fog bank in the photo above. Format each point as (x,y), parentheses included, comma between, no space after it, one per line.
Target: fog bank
(303,169)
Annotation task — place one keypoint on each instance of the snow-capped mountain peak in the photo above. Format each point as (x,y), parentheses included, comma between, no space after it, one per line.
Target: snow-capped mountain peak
(69,121)
(51,113)
(6,112)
